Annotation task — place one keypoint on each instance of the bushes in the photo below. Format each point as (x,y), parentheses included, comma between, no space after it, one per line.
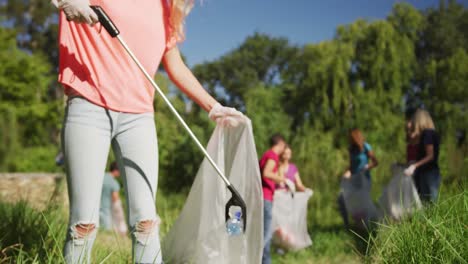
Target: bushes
(29,116)
(37,159)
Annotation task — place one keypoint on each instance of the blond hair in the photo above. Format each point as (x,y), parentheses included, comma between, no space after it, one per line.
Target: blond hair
(422,120)
(178,10)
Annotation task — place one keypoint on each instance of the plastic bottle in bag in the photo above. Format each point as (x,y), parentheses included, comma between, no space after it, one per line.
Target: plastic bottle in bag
(234,225)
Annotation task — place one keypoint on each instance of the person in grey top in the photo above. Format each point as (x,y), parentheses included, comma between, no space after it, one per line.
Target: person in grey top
(109,198)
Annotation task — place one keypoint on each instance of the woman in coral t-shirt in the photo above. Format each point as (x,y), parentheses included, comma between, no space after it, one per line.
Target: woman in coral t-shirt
(111,103)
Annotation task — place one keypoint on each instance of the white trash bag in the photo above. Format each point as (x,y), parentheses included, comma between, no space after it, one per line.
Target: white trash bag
(357,198)
(199,234)
(289,222)
(400,197)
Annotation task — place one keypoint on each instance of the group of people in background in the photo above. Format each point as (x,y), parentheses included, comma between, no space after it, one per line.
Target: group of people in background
(422,154)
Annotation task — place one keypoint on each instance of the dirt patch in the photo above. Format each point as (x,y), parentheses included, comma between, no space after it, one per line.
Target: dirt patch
(38,189)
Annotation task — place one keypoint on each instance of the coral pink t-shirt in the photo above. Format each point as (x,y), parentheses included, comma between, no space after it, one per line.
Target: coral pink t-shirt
(268,185)
(94,65)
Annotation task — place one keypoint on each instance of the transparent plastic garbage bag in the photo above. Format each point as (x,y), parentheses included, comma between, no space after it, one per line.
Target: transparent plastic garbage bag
(357,198)
(290,219)
(199,234)
(400,197)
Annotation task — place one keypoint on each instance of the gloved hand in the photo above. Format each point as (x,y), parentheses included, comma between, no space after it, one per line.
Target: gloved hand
(291,186)
(410,170)
(347,174)
(78,11)
(226,116)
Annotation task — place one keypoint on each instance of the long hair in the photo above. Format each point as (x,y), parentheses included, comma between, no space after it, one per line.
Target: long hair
(282,155)
(178,10)
(356,139)
(422,120)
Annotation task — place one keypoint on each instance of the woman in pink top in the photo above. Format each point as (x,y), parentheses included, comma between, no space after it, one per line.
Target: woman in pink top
(111,103)
(290,171)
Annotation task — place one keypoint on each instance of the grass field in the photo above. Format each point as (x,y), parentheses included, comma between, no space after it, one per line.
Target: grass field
(435,235)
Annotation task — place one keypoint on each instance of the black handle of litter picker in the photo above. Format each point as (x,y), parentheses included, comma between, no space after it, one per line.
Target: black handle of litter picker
(236,200)
(105,21)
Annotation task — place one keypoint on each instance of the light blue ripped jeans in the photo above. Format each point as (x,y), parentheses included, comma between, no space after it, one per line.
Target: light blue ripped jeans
(88,132)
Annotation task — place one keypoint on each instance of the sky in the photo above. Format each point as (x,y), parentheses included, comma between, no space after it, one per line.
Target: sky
(215,27)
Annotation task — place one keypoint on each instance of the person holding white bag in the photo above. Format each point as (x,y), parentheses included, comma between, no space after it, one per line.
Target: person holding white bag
(425,170)
(110,102)
(291,173)
(361,160)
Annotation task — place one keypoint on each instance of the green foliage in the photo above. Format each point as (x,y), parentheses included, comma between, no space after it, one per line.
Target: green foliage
(39,159)
(407,20)
(447,93)
(23,77)
(260,59)
(263,106)
(36,22)
(320,164)
(442,53)
(29,118)
(318,84)
(8,138)
(179,157)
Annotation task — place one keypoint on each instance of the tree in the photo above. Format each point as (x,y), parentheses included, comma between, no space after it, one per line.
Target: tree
(259,59)
(442,75)
(264,107)
(25,108)
(36,23)
(318,86)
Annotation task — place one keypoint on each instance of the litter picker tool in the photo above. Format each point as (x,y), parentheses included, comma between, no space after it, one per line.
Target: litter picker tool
(236,199)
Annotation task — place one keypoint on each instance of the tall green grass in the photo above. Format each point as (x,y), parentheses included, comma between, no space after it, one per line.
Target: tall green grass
(29,235)
(437,234)
(434,235)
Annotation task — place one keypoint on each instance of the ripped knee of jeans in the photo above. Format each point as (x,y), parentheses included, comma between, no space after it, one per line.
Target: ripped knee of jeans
(146,230)
(82,231)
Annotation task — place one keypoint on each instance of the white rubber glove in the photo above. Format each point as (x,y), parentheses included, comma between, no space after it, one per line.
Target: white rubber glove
(410,170)
(77,11)
(226,116)
(347,174)
(291,186)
